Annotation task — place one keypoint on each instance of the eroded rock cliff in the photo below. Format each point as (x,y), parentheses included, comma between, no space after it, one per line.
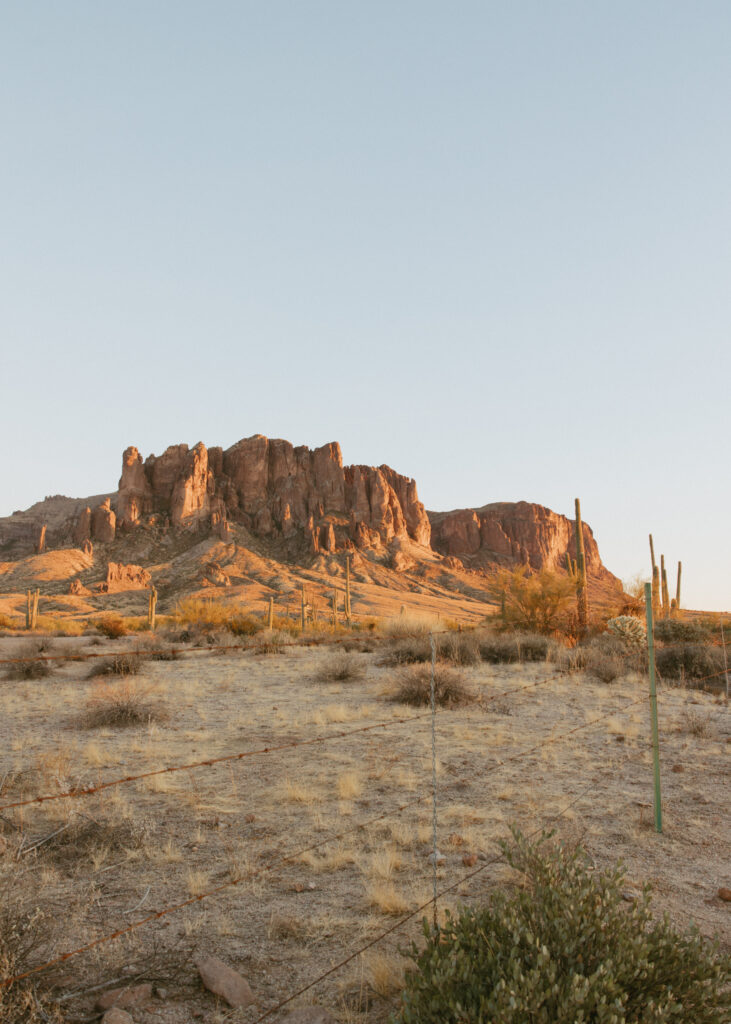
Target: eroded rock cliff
(512,533)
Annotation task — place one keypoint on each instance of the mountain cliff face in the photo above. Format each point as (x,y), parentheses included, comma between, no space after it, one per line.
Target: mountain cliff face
(276,490)
(299,502)
(510,533)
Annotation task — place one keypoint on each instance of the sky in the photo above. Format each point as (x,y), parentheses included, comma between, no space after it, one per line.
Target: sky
(486,243)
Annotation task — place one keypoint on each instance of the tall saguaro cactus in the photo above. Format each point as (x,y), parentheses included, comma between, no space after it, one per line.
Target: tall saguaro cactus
(335,608)
(302,609)
(347,590)
(31,609)
(655,583)
(677,587)
(582,597)
(42,540)
(664,584)
(151,609)
(270,622)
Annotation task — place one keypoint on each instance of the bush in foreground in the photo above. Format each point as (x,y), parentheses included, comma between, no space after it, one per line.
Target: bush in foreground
(506,648)
(562,949)
(30,663)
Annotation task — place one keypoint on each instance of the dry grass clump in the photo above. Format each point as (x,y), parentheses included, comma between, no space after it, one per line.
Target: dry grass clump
(341,667)
(271,641)
(458,648)
(26,938)
(86,838)
(112,626)
(29,666)
(413,686)
(7,622)
(117,665)
(696,724)
(407,625)
(408,651)
(121,705)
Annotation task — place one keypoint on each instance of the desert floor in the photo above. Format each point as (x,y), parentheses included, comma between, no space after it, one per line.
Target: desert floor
(568,744)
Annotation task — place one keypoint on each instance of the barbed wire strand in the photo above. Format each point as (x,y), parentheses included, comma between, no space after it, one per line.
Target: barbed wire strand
(279,748)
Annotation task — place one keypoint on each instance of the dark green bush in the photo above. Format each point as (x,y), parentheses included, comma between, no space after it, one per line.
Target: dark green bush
(671,631)
(564,949)
(689,661)
(504,648)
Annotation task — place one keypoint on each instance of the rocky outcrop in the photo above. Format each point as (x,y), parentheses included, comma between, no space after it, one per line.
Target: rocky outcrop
(274,489)
(513,533)
(124,577)
(103,522)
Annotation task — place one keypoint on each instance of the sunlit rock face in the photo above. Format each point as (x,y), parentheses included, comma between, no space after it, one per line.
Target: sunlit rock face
(276,490)
(510,533)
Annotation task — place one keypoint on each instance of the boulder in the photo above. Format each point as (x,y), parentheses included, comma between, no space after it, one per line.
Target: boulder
(103,523)
(223,981)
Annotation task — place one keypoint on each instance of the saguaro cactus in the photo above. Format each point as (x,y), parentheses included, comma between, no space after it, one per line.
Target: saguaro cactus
(655,583)
(302,609)
(664,584)
(151,608)
(582,597)
(31,609)
(335,608)
(347,589)
(42,540)
(270,622)
(677,587)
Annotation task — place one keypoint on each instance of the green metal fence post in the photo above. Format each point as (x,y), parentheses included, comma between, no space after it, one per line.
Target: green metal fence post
(653,707)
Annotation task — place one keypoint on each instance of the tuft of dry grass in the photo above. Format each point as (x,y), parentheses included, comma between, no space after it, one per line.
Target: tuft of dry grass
(119,705)
(341,667)
(413,686)
(117,665)
(26,936)
(29,666)
(350,786)
(696,724)
(385,897)
(410,625)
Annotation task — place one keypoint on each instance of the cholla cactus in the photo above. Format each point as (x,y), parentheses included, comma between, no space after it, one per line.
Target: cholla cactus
(631,631)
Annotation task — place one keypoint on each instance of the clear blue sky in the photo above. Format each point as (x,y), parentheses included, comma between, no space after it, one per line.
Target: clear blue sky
(486,243)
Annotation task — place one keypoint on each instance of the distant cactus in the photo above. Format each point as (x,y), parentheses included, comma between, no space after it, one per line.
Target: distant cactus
(629,630)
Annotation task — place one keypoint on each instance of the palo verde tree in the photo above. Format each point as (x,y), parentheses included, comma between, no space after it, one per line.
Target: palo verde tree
(535,601)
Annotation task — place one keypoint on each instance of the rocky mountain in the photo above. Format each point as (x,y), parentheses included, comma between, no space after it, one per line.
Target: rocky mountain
(509,533)
(199,516)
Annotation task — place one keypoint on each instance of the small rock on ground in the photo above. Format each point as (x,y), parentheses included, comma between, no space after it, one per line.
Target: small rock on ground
(120,997)
(116,1016)
(223,981)
(724,894)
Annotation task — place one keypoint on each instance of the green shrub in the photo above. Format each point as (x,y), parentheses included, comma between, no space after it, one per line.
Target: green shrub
(562,949)
(504,648)
(671,631)
(689,661)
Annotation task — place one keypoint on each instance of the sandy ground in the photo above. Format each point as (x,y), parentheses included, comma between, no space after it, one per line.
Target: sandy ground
(156,842)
